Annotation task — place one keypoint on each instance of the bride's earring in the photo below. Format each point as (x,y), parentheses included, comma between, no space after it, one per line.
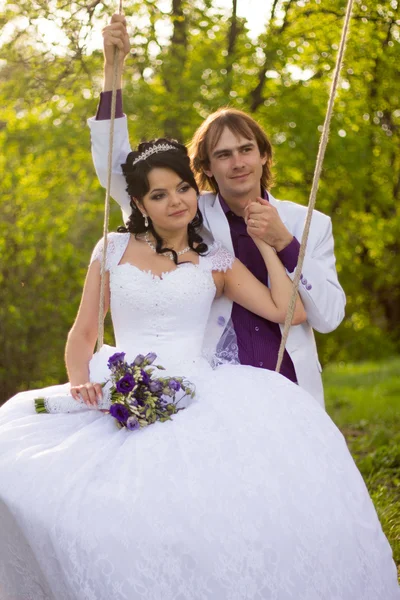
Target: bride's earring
(146,221)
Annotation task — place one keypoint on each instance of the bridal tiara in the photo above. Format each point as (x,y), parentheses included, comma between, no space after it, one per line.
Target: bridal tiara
(153,150)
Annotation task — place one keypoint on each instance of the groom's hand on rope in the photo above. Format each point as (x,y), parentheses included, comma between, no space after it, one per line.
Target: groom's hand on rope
(115,35)
(263,222)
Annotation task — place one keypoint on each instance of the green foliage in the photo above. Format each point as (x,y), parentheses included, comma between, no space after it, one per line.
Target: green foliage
(363,400)
(185,63)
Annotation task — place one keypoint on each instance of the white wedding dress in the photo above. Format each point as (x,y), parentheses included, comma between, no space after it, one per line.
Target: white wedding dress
(249,493)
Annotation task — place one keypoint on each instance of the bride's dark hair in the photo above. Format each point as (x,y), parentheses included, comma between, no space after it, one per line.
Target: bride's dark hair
(136,176)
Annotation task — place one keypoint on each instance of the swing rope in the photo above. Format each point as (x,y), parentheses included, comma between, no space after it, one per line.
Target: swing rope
(314,188)
(100,332)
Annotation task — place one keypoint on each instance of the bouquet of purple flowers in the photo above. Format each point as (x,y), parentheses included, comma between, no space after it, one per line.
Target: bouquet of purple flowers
(134,396)
(138,398)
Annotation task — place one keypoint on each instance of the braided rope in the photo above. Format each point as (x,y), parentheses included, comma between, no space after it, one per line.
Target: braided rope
(100,331)
(315,183)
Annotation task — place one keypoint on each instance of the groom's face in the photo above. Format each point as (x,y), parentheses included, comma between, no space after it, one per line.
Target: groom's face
(236,164)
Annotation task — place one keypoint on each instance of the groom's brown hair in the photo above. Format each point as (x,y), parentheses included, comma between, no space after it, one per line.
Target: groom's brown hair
(206,138)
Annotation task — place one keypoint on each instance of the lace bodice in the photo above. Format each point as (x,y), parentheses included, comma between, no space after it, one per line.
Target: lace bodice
(166,314)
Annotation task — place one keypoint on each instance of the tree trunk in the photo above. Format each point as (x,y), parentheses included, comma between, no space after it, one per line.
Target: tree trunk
(174,64)
(231,50)
(273,33)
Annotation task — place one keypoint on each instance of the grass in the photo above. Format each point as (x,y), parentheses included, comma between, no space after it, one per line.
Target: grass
(363,399)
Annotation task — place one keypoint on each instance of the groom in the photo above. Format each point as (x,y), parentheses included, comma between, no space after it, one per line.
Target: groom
(232,156)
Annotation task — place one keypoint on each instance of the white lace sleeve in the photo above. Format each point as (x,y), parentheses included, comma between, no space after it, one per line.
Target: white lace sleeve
(116,246)
(220,258)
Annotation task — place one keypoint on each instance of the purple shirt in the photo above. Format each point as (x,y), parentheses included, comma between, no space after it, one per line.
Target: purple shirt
(258,339)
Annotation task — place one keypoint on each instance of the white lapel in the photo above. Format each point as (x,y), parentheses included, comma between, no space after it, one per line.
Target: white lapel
(280,207)
(217,221)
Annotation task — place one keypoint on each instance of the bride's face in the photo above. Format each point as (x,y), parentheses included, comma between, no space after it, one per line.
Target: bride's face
(170,202)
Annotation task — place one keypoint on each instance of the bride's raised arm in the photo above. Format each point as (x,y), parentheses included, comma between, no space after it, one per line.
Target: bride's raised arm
(240,286)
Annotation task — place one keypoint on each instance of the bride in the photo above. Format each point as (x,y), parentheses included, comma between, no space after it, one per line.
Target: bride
(249,493)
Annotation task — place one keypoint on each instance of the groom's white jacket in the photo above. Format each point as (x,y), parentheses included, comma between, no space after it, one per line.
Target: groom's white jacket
(320,291)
